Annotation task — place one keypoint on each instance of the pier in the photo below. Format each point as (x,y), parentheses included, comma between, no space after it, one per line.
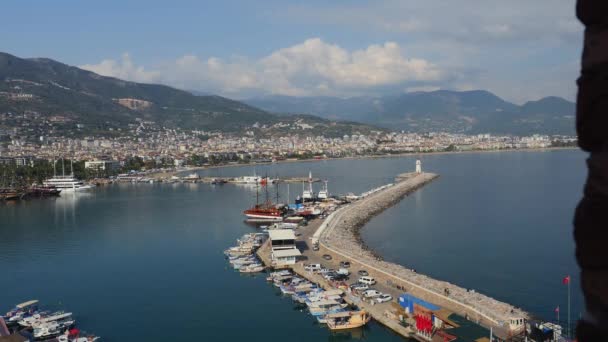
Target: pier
(338,237)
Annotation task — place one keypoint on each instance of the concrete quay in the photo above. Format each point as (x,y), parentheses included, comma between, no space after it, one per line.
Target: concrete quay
(339,235)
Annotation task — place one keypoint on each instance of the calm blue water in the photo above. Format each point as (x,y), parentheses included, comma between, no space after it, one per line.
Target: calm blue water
(144,262)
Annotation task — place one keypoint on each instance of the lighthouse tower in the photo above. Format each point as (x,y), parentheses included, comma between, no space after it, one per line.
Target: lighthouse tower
(418,166)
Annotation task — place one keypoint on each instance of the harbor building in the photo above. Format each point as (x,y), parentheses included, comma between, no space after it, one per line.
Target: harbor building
(102,165)
(283,244)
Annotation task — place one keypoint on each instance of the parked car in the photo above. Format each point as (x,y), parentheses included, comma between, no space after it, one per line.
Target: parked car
(359,287)
(384,298)
(326,256)
(312,267)
(343,271)
(338,277)
(371,293)
(325,270)
(363,273)
(315,247)
(344,264)
(367,280)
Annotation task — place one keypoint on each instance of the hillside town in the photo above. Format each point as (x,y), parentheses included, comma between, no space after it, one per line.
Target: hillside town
(176,147)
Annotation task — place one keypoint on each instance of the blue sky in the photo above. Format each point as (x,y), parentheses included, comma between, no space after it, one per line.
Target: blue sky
(520,50)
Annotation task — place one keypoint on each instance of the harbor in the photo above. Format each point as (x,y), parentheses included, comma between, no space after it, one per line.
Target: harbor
(197,222)
(418,306)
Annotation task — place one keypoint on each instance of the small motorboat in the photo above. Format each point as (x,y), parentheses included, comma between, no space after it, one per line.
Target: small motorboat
(347,320)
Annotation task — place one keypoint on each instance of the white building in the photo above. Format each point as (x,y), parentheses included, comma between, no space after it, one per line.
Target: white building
(284,250)
(102,165)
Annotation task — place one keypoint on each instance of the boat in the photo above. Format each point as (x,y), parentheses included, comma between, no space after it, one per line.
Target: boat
(253,268)
(43,190)
(324,193)
(73,335)
(347,320)
(21,311)
(40,318)
(48,330)
(9,194)
(325,306)
(266,211)
(193,177)
(308,194)
(67,183)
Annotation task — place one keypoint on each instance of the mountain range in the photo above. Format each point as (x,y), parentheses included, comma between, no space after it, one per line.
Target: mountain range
(476,111)
(98,103)
(54,89)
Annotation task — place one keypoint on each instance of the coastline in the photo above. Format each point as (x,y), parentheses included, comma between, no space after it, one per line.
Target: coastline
(396,155)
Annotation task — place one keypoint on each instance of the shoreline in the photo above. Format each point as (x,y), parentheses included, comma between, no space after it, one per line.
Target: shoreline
(396,155)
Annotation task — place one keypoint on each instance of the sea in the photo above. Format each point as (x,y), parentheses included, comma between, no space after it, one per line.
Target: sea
(144,262)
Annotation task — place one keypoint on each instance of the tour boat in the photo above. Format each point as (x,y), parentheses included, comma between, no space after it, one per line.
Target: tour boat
(67,183)
(347,320)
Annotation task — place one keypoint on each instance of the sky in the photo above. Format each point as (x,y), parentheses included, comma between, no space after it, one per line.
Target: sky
(519,50)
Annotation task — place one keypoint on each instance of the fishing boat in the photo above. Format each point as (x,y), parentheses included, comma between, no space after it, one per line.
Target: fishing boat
(347,320)
(326,306)
(324,193)
(308,194)
(253,268)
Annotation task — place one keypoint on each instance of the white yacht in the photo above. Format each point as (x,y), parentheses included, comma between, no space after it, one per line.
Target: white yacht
(67,183)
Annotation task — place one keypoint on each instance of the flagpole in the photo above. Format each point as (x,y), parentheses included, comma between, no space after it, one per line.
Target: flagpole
(569,332)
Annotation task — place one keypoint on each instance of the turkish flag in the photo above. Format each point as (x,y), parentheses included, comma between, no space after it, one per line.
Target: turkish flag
(566,280)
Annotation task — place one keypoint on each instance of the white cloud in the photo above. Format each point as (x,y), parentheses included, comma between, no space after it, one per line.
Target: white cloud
(312,67)
(123,69)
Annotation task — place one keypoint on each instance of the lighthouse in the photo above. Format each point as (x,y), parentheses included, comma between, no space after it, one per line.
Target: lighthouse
(418,166)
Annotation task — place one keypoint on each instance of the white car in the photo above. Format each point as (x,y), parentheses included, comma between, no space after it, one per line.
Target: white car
(343,271)
(384,298)
(312,267)
(360,287)
(372,293)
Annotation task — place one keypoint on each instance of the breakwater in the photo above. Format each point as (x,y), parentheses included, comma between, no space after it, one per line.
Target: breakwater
(339,233)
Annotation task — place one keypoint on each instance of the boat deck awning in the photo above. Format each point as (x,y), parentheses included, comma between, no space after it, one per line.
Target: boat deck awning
(343,314)
(281,234)
(324,302)
(286,253)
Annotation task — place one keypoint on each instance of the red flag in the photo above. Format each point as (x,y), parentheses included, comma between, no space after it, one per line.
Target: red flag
(566,280)
(557,309)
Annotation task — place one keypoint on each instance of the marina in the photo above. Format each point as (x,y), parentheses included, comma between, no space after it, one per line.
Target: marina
(191,225)
(335,237)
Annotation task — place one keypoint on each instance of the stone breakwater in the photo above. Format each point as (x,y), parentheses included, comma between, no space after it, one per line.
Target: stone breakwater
(341,235)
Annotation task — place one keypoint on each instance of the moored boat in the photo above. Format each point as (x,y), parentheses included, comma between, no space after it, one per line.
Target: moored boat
(347,320)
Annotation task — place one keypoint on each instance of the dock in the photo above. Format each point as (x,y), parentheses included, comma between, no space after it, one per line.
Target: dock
(338,236)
